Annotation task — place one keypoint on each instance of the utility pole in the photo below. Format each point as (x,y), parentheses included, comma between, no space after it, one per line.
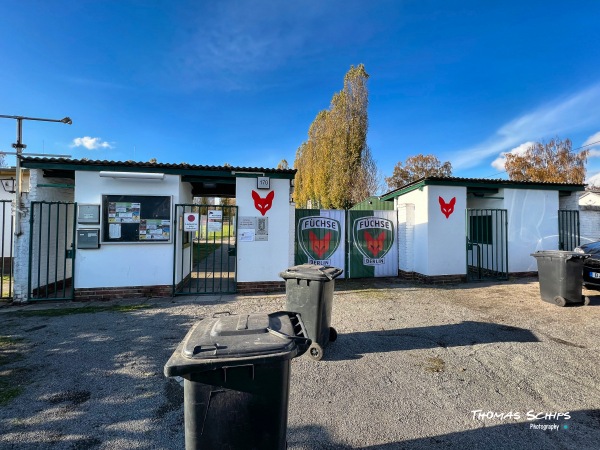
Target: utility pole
(19,147)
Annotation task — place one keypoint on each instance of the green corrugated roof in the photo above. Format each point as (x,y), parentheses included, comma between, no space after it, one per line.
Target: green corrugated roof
(481,183)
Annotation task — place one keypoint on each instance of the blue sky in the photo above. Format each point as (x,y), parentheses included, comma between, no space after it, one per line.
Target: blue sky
(239,82)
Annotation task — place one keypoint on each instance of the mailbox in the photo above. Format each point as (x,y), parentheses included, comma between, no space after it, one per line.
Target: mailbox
(88,214)
(88,238)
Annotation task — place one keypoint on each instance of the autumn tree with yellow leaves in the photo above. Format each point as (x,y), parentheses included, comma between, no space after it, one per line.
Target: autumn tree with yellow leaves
(551,162)
(416,167)
(335,165)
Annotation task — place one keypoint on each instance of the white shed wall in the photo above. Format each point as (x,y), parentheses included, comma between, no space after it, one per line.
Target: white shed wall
(263,260)
(446,236)
(532,225)
(116,265)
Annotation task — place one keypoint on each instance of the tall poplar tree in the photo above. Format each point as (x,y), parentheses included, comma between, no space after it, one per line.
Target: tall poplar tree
(335,165)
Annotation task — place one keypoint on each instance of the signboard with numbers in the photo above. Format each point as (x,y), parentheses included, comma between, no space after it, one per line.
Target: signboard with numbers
(263,183)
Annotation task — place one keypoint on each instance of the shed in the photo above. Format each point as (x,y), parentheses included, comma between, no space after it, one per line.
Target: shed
(373,203)
(105,229)
(453,229)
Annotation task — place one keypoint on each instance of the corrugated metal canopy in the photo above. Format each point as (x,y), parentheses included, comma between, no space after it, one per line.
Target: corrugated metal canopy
(481,183)
(207,181)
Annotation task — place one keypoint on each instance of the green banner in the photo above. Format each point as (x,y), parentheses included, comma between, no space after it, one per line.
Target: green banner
(372,238)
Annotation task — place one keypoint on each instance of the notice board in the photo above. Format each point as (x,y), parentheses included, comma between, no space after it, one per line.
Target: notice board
(136,218)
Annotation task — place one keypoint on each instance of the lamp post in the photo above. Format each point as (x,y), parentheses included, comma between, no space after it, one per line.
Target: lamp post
(19,146)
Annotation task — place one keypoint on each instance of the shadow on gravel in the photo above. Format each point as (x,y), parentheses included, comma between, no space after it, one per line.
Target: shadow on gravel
(102,382)
(581,430)
(354,345)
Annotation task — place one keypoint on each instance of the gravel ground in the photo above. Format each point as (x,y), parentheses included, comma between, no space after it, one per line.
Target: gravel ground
(413,368)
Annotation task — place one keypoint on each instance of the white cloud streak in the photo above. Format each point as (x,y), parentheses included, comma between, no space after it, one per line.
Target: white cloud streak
(90,143)
(571,114)
(500,161)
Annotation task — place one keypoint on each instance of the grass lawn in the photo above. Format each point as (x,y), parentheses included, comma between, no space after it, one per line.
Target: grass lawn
(203,249)
(6,289)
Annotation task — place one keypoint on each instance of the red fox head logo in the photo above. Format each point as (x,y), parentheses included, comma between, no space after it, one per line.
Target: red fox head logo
(263,204)
(375,245)
(319,246)
(447,208)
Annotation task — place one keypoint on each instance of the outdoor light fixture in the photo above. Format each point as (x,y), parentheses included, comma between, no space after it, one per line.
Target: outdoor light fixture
(19,146)
(133,175)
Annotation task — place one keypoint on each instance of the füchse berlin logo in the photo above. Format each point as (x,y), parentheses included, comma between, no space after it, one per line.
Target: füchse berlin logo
(533,417)
(374,237)
(319,238)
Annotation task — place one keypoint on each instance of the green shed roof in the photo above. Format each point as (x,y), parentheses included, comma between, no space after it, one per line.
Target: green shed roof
(481,183)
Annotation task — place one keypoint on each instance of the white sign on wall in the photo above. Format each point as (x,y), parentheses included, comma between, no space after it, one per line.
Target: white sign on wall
(190,222)
(215,218)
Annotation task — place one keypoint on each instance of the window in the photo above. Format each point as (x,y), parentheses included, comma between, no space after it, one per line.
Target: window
(480,229)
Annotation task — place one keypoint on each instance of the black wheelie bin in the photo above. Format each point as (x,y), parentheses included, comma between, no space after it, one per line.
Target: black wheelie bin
(309,291)
(236,371)
(560,275)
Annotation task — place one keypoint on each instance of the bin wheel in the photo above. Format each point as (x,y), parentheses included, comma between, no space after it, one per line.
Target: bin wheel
(315,351)
(559,301)
(332,334)
(586,300)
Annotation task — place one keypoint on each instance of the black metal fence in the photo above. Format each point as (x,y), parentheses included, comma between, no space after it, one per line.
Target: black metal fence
(6,222)
(568,229)
(51,250)
(487,244)
(205,249)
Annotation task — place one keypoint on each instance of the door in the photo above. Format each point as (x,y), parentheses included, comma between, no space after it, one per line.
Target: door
(487,244)
(6,222)
(51,250)
(372,244)
(205,260)
(568,229)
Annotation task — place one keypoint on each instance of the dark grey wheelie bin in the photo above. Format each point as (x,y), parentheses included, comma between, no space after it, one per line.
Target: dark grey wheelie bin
(309,291)
(560,275)
(236,371)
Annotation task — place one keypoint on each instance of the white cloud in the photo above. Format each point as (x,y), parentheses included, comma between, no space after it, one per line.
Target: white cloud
(571,114)
(594,180)
(499,162)
(594,138)
(90,143)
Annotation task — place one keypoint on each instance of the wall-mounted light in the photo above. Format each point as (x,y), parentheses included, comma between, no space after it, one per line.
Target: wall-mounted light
(132,175)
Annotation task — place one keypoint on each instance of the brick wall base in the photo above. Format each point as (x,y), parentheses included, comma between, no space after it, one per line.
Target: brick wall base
(451,279)
(260,286)
(433,279)
(123,292)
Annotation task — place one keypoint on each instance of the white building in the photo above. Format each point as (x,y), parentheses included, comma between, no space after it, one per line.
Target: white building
(104,229)
(451,229)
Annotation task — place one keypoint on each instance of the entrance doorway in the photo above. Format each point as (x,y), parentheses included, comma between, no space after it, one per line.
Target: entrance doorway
(205,249)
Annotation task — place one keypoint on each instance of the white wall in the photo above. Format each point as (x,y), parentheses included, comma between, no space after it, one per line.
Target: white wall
(115,265)
(589,219)
(532,225)
(406,236)
(447,237)
(420,244)
(263,260)
(185,196)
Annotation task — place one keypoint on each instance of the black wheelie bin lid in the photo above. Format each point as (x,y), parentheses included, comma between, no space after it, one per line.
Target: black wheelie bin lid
(311,272)
(232,340)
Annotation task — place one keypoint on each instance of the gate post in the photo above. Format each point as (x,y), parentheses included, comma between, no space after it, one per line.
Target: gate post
(21,242)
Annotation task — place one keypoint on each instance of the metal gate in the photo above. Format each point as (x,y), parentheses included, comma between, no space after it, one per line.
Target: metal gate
(205,259)
(51,250)
(6,219)
(372,245)
(487,244)
(568,229)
